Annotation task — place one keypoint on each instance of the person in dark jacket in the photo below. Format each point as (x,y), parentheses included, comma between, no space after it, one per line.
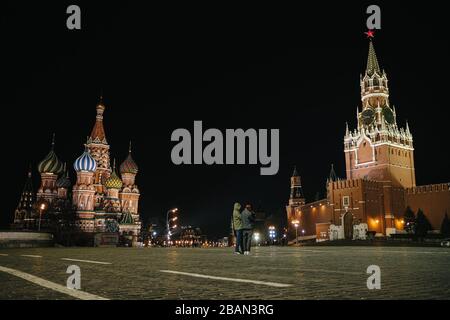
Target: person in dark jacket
(248,221)
(237,228)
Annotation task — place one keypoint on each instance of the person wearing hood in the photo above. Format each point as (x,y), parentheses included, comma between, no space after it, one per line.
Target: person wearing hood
(248,221)
(237,228)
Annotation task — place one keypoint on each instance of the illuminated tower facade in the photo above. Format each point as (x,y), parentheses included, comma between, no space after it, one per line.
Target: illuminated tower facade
(99,150)
(129,194)
(23,216)
(63,184)
(296,198)
(84,192)
(378,149)
(113,185)
(49,168)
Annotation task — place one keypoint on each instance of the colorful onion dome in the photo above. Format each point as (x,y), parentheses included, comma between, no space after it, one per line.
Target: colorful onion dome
(113,182)
(64,181)
(51,163)
(85,162)
(127,218)
(129,166)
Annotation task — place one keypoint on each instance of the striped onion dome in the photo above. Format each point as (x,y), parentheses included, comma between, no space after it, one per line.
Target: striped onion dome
(51,163)
(129,166)
(113,182)
(64,181)
(127,218)
(85,162)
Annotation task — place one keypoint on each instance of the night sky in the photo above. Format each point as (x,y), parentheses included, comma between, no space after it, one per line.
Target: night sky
(160,68)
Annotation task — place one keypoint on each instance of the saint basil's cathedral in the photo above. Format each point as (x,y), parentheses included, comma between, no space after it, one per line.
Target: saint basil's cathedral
(100,201)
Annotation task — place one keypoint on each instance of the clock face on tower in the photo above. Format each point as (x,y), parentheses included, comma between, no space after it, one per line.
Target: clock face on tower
(368,116)
(388,115)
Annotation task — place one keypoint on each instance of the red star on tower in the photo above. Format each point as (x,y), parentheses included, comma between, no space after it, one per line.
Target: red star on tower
(370,33)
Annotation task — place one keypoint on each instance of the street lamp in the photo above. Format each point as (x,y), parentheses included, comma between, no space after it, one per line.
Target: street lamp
(296,223)
(41,208)
(168,223)
(272,233)
(256,238)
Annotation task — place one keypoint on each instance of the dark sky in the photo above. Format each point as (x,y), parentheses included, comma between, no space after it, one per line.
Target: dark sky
(160,68)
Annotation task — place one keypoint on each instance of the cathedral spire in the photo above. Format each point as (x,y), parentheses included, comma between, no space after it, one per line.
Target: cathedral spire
(295,173)
(372,61)
(53,141)
(98,132)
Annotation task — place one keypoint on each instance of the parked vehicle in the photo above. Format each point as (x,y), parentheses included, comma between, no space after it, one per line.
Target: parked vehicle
(445,242)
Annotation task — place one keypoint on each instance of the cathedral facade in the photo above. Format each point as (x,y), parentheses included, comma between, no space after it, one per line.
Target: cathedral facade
(103,199)
(380,174)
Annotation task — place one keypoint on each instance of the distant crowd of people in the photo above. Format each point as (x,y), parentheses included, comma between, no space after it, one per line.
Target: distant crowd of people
(243,223)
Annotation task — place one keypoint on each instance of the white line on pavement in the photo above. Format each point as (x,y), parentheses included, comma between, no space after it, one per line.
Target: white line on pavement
(30,256)
(409,252)
(88,261)
(3,254)
(271,284)
(51,285)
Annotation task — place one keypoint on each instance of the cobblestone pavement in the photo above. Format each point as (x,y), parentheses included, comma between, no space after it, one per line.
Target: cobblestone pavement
(312,272)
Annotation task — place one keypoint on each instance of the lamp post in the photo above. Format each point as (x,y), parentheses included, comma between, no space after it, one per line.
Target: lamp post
(168,223)
(272,233)
(296,223)
(256,235)
(41,208)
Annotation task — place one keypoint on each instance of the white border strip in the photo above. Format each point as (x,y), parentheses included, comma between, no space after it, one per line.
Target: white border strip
(51,285)
(271,284)
(30,256)
(88,261)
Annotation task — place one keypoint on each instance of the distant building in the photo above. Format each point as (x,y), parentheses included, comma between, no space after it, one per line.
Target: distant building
(190,236)
(380,171)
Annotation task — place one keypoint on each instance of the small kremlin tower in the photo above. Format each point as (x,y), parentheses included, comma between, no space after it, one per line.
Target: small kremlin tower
(24,211)
(296,199)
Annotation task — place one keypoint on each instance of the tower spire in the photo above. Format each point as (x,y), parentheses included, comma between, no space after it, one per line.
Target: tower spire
(129,148)
(53,141)
(98,132)
(372,61)
(333,176)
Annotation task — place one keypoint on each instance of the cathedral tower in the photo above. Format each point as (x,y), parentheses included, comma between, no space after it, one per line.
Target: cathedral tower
(63,184)
(84,191)
(99,150)
(378,149)
(49,168)
(113,184)
(129,195)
